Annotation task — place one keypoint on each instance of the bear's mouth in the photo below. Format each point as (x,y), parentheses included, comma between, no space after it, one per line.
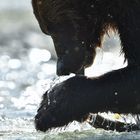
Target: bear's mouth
(66,69)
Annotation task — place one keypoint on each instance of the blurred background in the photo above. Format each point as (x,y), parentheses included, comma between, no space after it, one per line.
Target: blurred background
(25,58)
(27,70)
(26,64)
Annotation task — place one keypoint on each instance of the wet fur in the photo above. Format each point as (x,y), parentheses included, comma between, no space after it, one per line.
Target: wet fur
(88,21)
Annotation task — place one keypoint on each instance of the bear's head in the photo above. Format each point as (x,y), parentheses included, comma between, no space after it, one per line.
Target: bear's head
(70,33)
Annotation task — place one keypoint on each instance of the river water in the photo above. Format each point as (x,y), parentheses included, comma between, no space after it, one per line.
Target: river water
(27,70)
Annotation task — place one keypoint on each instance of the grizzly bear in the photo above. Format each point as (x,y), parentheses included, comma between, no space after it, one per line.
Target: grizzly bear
(77,28)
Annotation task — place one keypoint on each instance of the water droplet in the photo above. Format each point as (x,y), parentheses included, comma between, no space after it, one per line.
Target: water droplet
(92,6)
(83,42)
(76,49)
(67,52)
(39,2)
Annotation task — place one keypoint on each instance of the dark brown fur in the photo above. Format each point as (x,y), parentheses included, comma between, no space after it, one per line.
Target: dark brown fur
(77,28)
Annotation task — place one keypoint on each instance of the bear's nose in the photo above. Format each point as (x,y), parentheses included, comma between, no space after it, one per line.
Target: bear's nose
(61,69)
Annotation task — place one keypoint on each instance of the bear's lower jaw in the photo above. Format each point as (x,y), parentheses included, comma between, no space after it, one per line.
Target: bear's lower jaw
(63,70)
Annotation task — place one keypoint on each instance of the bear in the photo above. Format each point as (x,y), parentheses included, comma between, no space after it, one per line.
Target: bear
(77,29)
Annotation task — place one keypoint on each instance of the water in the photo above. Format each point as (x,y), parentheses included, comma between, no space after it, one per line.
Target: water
(27,70)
